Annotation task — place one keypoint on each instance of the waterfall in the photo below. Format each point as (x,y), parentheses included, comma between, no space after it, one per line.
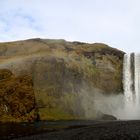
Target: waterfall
(137,79)
(131,85)
(127,78)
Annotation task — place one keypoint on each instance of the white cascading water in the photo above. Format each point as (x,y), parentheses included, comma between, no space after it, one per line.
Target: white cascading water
(131,84)
(127,78)
(137,79)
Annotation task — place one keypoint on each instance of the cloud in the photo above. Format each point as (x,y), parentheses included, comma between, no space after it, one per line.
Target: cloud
(17,24)
(113,22)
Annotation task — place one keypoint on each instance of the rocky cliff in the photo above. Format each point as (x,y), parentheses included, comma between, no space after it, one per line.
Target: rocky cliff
(54,79)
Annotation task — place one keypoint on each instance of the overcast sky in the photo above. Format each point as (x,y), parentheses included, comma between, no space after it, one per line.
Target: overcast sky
(114,22)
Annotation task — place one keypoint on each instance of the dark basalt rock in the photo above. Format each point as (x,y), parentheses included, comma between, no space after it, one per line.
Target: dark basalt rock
(108,117)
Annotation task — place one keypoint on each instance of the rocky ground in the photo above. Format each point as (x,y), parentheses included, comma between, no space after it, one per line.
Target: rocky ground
(79,130)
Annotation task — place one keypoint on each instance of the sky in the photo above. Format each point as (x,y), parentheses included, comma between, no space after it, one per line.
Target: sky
(113,22)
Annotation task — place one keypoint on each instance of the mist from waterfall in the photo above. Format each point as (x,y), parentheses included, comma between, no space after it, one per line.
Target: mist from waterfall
(124,106)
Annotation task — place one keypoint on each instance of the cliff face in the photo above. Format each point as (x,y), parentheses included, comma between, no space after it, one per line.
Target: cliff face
(59,78)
